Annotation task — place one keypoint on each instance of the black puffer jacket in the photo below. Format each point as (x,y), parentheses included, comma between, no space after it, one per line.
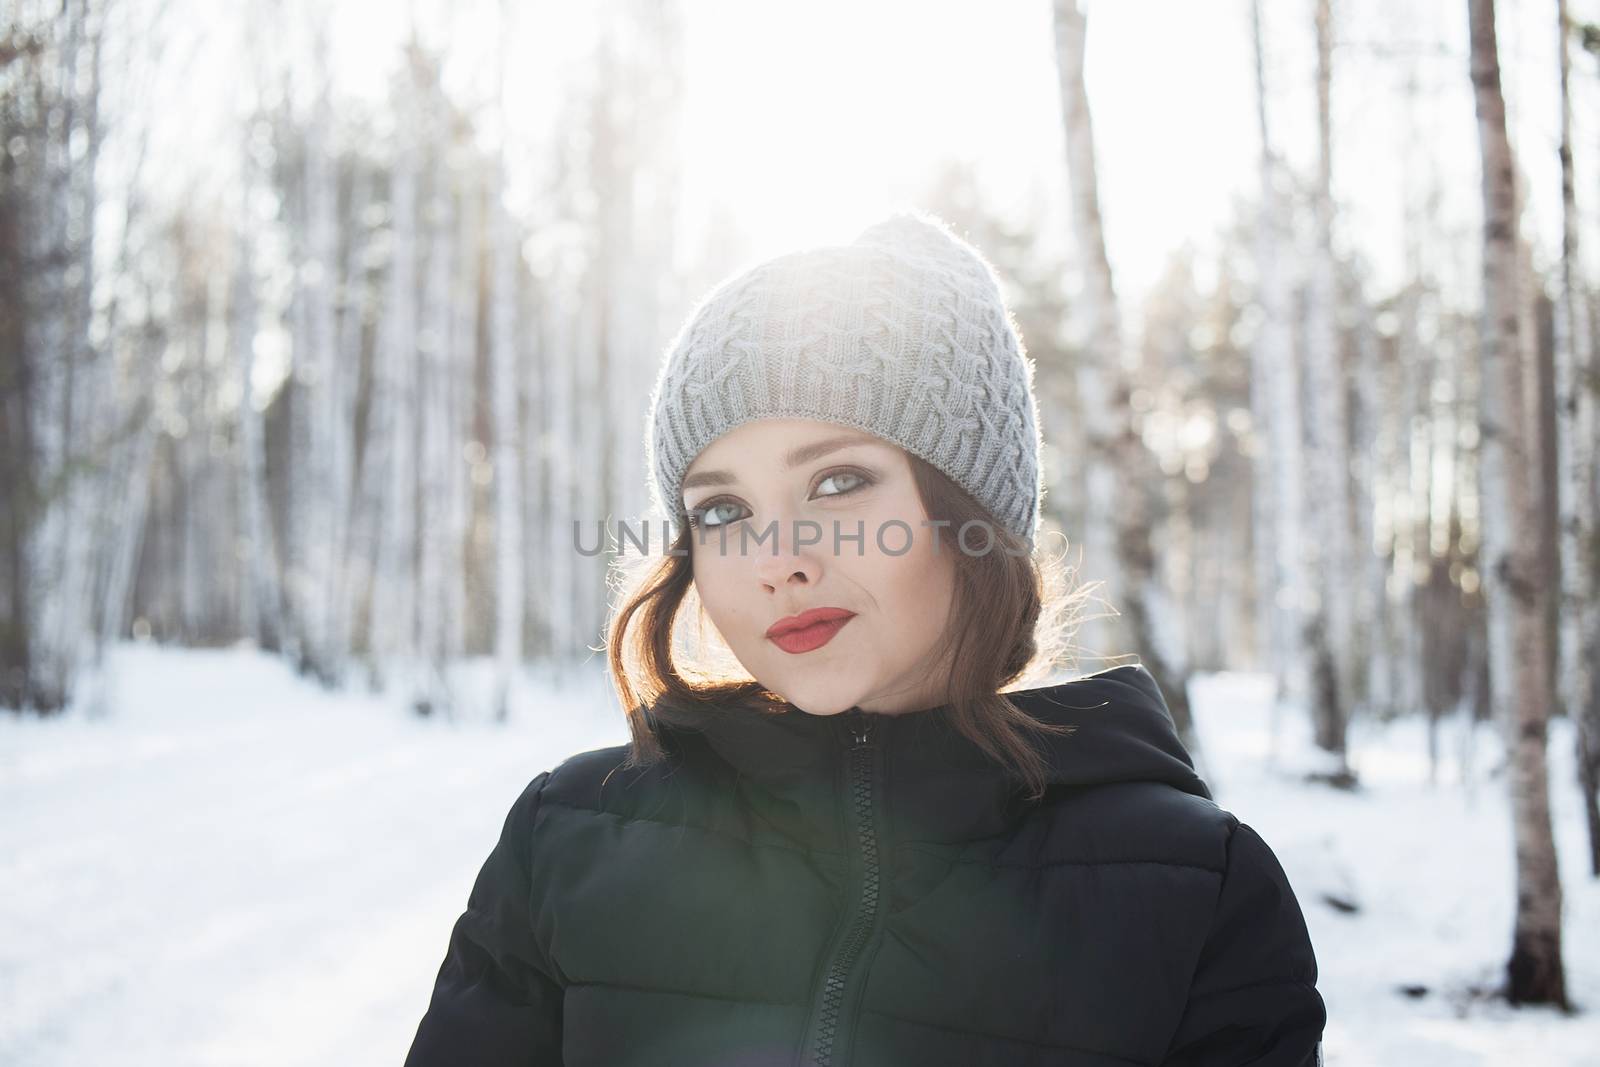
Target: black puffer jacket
(867,890)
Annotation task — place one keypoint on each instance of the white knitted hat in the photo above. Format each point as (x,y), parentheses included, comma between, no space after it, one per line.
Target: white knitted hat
(902,333)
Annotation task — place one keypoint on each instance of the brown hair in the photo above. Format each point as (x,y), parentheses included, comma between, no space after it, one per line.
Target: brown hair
(1012,618)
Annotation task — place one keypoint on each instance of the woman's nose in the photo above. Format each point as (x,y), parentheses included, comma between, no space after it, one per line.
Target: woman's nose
(786,550)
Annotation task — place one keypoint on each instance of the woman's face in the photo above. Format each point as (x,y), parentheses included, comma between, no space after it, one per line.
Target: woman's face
(769,498)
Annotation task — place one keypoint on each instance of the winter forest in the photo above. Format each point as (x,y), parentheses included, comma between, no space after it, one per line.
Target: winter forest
(327,334)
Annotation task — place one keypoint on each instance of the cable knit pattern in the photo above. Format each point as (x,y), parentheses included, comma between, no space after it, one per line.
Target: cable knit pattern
(902,333)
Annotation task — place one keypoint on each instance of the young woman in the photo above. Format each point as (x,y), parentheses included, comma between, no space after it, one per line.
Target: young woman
(868,835)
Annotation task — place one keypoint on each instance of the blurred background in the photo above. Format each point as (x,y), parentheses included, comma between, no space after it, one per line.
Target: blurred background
(327,332)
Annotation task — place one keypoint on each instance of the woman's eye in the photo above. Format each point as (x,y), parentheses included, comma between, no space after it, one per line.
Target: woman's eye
(707,516)
(852,481)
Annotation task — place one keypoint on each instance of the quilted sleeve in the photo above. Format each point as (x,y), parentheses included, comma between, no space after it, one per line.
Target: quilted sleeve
(1253,998)
(495,1001)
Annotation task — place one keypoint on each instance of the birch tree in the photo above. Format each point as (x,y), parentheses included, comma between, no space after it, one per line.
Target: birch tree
(321,434)
(90,383)
(58,379)
(504,387)
(1275,409)
(340,411)
(260,605)
(441,365)
(462,401)
(565,472)
(1514,580)
(595,349)
(122,532)
(1119,519)
(1368,573)
(1408,455)
(1575,457)
(1329,622)
(392,438)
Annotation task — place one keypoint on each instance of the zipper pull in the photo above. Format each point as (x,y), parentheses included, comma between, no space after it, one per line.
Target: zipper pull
(859,725)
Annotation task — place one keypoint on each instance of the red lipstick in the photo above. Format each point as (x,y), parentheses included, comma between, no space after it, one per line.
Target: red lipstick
(808,630)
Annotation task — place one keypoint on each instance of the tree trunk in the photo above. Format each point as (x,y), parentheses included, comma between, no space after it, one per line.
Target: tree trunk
(57,359)
(1515,584)
(318,441)
(504,388)
(1371,684)
(1121,480)
(1275,408)
(440,367)
(1575,428)
(260,602)
(1329,559)
(462,388)
(393,427)
(342,409)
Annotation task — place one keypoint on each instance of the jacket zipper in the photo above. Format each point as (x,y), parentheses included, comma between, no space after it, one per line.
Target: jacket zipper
(828,1009)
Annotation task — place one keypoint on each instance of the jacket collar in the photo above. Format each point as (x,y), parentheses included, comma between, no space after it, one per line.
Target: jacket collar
(937,785)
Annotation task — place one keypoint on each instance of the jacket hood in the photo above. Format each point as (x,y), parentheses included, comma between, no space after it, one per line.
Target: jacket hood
(939,784)
(1124,731)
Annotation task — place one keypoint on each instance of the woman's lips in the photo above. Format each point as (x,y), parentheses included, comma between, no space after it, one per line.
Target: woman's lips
(809,635)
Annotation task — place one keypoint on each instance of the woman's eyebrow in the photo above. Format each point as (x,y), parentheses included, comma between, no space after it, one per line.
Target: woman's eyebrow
(803,454)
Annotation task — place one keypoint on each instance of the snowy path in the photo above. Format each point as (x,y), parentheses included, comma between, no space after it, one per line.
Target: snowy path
(241,870)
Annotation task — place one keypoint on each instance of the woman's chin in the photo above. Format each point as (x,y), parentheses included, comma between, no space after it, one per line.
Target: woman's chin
(834,702)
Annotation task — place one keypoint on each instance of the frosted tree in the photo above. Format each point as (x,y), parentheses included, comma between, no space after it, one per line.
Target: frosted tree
(1515,583)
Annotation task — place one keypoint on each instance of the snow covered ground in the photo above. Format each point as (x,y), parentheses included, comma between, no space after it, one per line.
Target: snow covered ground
(1431,870)
(236,868)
